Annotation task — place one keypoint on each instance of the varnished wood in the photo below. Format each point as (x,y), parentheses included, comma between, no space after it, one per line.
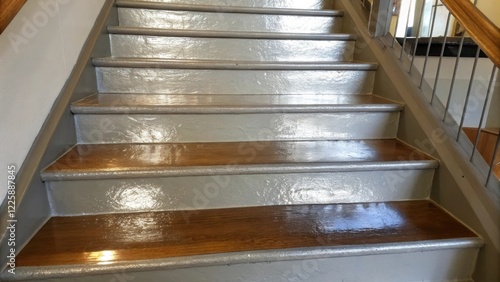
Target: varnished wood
(487,141)
(123,237)
(8,10)
(133,157)
(493,131)
(486,145)
(484,32)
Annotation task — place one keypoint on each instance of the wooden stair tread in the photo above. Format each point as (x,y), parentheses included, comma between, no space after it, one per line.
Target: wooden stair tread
(207,103)
(115,238)
(88,160)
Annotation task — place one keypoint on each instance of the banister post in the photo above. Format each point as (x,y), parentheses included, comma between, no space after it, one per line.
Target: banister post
(380,17)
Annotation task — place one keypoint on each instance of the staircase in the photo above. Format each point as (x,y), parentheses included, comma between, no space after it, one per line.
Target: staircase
(240,141)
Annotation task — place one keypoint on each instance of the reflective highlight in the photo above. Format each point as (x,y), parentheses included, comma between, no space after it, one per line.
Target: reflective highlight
(213,103)
(102,257)
(133,197)
(211,158)
(294,4)
(139,128)
(101,196)
(160,235)
(200,81)
(230,48)
(228,21)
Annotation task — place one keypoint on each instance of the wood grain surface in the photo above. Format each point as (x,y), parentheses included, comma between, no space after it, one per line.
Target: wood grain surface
(123,237)
(138,157)
(8,10)
(484,32)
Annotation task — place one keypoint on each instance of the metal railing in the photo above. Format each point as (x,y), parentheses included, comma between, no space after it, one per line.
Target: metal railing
(453,65)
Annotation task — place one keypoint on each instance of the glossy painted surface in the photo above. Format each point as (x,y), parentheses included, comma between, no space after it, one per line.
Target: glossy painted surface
(100,196)
(229,34)
(116,62)
(230,48)
(130,158)
(227,9)
(115,238)
(295,4)
(156,118)
(193,20)
(449,261)
(213,103)
(204,81)
(160,128)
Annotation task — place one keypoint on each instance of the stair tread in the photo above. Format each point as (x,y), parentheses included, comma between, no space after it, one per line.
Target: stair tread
(213,103)
(228,34)
(115,238)
(143,160)
(230,65)
(227,9)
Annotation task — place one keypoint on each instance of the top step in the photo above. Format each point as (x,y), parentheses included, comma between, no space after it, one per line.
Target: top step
(234,18)
(291,4)
(227,9)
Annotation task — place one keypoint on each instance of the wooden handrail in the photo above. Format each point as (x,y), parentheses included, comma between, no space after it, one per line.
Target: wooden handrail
(8,10)
(484,32)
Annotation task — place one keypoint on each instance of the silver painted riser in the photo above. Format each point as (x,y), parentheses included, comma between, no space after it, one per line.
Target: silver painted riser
(193,20)
(231,48)
(161,128)
(446,263)
(200,81)
(100,196)
(293,4)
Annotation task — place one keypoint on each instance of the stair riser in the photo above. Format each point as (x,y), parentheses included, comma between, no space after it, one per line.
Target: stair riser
(200,81)
(230,48)
(292,4)
(193,193)
(234,127)
(447,265)
(192,20)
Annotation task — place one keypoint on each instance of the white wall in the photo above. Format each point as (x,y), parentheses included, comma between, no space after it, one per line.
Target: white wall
(491,8)
(37,53)
(461,85)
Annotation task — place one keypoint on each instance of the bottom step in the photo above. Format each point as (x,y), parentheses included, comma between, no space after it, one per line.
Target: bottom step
(393,241)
